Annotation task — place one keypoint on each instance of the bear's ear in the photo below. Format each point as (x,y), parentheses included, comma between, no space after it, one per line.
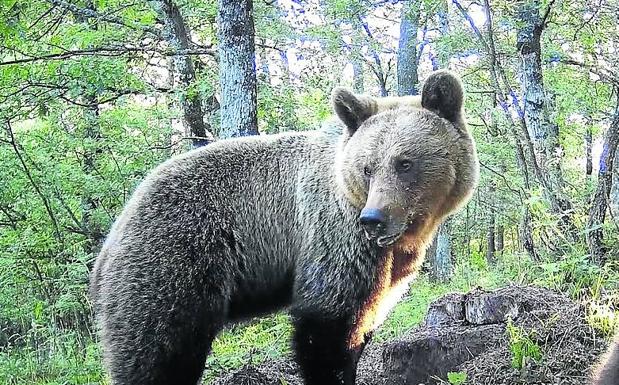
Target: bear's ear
(352,109)
(443,94)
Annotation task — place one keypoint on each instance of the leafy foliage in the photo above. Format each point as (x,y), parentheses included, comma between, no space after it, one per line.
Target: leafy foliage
(522,347)
(456,378)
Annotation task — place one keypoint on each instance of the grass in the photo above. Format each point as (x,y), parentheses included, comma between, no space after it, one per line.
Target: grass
(255,342)
(602,316)
(61,359)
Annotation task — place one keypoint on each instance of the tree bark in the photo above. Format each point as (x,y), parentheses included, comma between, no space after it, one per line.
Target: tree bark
(597,212)
(588,145)
(357,69)
(177,36)
(286,75)
(237,68)
(408,79)
(500,238)
(264,72)
(490,241)
(526,234)
(467,232)
(442,59)
(441,263)
(490,235)
(614,190)
(357,61)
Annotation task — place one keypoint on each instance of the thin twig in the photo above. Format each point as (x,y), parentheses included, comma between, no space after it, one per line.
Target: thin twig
(46,203)
(92,14)
(109,51)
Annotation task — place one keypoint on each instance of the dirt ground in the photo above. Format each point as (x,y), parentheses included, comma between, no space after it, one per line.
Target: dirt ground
(467,333)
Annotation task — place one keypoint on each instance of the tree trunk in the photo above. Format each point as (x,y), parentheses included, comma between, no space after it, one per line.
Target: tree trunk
(529,47)
(92,134)
(614,190)
(441,264)
(237,68)
(543,131)
(588,145)
(467,233)
(490,235)
(263,58)
(526,234)
(500,238)
(443,22)
(177,36)
(597,212)
(357,61)
(441,60)
(357,69)
(408,79)
(382,86)
(380,73)
(285,68)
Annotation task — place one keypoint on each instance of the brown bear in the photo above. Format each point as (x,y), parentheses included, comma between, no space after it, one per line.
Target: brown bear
(607,371)
(331,224)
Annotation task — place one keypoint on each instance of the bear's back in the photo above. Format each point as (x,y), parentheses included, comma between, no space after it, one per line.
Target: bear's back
(241,205)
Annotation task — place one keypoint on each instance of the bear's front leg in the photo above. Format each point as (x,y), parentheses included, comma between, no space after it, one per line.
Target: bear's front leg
(321,347)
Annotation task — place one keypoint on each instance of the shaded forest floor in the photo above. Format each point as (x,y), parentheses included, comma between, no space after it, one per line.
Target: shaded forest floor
(514,335)
(588,291)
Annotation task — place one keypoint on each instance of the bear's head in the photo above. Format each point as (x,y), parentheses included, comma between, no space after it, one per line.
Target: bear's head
(406,162)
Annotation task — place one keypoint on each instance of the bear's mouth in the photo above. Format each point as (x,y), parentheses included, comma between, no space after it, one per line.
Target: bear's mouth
(388,240)
(413,226)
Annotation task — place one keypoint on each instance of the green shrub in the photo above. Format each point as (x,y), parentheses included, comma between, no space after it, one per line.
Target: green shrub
(522,347)
(456,378)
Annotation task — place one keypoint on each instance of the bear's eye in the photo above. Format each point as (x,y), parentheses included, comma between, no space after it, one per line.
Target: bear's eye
(367,171)
(403,165)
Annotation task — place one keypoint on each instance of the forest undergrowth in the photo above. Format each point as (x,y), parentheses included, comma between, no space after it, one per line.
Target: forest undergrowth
(53,357)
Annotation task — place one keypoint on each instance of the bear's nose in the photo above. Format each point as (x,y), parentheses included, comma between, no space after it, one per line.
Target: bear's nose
(373,221)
